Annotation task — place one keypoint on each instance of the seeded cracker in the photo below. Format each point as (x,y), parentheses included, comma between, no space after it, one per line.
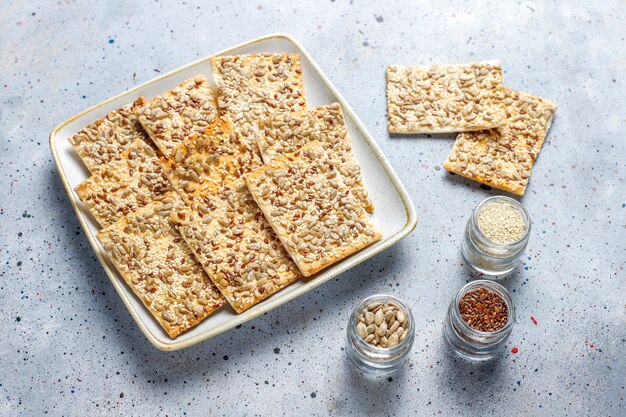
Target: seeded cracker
(286,132)
(251,87)
(126,183)
(236,246)
(444,98)
(314,214)
(105,139)
(178,114)
(504,157)
(201,164)
(160,268)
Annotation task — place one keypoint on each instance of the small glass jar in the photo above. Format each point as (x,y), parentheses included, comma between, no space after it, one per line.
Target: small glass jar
(486,256)
(468,342)
(373,359)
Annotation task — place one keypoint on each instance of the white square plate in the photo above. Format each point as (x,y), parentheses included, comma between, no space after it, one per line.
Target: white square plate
(394,215)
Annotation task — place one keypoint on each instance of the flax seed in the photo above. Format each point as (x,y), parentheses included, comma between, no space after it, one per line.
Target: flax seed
(484,310)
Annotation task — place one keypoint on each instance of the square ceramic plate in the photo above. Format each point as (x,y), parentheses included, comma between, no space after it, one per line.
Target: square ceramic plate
(394,215)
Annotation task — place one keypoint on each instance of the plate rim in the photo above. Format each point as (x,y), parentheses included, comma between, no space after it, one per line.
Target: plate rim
(363,255)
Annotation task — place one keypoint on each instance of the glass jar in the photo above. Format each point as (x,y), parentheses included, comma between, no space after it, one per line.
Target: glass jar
(486,256)
(468,342)
(373,359)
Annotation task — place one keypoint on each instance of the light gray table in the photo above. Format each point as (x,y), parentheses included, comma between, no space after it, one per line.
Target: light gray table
(69,347)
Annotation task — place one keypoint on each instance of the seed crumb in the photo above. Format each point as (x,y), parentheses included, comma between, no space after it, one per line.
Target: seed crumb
(501,223)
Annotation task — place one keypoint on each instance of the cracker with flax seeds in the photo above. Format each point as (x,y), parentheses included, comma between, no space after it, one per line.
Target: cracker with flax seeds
(236,246)
(125,184)
(106,138)
(313,212)
(160,268)
(251,87)
(173,117)
(203,163)
(444,98)
(504,157)
(284,133)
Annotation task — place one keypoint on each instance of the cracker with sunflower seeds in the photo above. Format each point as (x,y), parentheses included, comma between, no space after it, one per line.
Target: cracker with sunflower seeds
(202,163)
(317,218)
(504,157)
(105,139)
(237,247)
(444,98)
(160,268)
(183,112)
(251,87)
(284,133)
(125,184)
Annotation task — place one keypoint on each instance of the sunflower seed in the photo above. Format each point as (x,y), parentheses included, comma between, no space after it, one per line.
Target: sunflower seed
(361,330)
(378,319)
(382,325)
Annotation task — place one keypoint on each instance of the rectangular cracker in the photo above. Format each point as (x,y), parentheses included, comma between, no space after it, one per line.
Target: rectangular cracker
(284,133)
(178,114)
(106,138)
(251,87)
(444,98)
(313,212)
(236,246)
(125,184)
(160,268)
(203,163)
(504,157)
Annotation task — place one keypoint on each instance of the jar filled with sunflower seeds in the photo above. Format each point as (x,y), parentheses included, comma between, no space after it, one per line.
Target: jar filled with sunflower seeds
(496,236)
(380,333)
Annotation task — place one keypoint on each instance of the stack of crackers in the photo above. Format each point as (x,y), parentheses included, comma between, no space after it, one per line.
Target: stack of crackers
(224,195)
(501,131)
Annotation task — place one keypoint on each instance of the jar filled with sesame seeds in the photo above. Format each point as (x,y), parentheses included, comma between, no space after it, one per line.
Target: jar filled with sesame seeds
(479,320)
(380,335)
(496,236)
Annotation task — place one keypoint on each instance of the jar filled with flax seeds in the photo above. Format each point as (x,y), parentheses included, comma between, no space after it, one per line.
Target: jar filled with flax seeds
(479,320)
(496,236)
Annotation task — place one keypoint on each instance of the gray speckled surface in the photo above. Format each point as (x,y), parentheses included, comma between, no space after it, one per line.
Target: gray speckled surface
(69,347)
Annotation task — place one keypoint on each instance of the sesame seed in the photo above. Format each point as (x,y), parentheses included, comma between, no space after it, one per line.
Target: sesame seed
(501,223)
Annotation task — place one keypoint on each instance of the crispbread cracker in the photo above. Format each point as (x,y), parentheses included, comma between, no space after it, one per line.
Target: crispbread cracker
(284,133)
(236,246)
(444,98)
(504,157)
(178,114)
(251,87)
(203,163)
(312,211)
(160,268)
(126,183)
(106,138)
